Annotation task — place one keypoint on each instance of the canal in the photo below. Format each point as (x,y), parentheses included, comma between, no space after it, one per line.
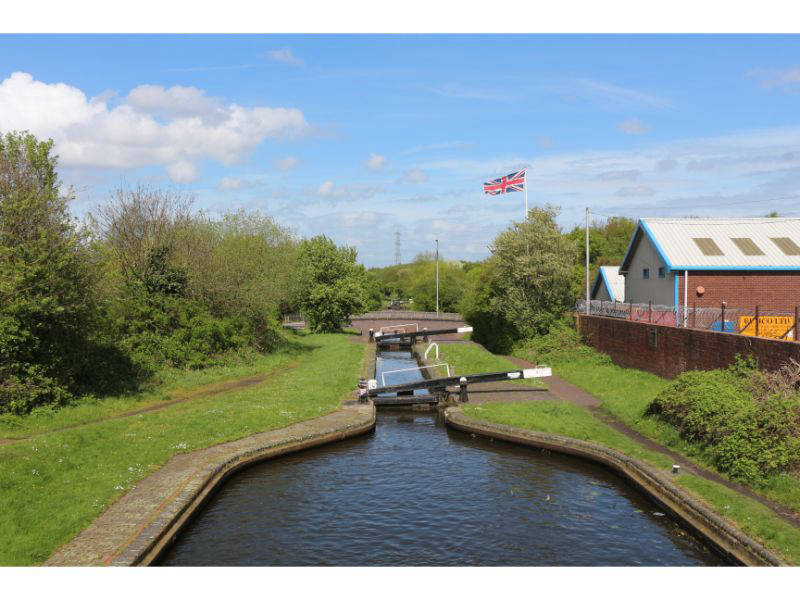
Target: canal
(416,493)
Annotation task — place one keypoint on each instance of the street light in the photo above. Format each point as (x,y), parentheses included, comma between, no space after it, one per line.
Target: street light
(437,277)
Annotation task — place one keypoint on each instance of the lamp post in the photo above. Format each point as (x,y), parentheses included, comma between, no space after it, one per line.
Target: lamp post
(437,277)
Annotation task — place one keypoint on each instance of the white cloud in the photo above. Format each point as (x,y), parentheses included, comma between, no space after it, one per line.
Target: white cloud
(92,133)
(414,176)
(326,189)
(232,183)
(175,101)
(667,164)
(634,126)
(354,219)
(375,162)
(284,55)
(636,190)
(346,192)
(788,79)
(182,172)
(287,164)
(616,93)
(629,175)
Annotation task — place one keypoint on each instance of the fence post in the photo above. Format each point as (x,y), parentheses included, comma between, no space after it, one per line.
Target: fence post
(757,311)
(650,311)
(694,315)
(630,310)
(795,322)
(723,318)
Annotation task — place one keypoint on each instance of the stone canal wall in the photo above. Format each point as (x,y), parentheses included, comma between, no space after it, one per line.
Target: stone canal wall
(727,539)
(137,528)
(669,351)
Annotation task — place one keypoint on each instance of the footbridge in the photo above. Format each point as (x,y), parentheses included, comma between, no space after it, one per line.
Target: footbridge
(390,321)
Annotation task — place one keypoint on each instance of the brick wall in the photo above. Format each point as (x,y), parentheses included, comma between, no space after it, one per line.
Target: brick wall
(628,343)
(771,290)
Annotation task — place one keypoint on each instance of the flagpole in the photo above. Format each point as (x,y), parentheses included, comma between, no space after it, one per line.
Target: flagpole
(526,196)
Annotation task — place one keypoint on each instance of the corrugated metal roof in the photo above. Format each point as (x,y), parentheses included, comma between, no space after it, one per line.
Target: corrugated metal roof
(614,282)
(675,240)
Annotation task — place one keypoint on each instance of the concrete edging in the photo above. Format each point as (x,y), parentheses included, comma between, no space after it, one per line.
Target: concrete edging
(141,525)
(732,542)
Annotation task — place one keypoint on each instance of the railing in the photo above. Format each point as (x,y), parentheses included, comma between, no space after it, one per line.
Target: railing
(408,315)
(753,321)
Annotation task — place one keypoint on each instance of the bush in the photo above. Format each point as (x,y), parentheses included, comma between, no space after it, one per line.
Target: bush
(749,427)
(561,343)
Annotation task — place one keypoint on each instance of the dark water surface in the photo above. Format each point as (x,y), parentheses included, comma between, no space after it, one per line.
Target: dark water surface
(415,493)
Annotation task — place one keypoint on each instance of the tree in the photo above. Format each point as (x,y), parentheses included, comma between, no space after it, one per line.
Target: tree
(47,312)
(422,287)
(330,285)
(526,285)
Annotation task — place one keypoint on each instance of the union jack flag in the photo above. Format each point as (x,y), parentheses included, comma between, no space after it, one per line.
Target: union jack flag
(513,182)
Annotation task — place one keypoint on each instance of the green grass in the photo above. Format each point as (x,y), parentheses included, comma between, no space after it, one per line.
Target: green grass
(465,359)
(753,518)
(626,394)
(170,384)
(565,419)
(577,422)
(53,485)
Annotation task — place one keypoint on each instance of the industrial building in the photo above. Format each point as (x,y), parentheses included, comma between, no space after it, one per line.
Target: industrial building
(744,262)
(609,285)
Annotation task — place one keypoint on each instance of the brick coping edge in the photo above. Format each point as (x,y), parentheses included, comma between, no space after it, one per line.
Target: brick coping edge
(144,526)
(726,538)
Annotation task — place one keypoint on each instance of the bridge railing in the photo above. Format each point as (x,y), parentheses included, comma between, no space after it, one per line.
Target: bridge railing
(410,315)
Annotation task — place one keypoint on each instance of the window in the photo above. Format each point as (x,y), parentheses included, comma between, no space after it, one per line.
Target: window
(645,273)
(748,247)
(788,246)
(662,272)
(708,246)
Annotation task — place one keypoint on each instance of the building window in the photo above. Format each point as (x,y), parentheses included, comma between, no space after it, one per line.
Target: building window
(645,273)
(662,272)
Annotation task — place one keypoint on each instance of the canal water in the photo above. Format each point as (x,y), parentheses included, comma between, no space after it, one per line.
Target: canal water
(416,493)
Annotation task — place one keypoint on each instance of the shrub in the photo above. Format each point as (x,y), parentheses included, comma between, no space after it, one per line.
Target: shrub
(562,342)
(749,426)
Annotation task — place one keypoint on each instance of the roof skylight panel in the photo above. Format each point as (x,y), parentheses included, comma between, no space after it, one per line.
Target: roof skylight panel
(708,247)
(747,246)
(787,246)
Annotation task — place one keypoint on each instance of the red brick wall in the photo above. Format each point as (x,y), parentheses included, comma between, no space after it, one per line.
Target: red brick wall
(678,349)
(771,290)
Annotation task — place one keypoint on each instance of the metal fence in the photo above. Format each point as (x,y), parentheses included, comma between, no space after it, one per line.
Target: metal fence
(753,321)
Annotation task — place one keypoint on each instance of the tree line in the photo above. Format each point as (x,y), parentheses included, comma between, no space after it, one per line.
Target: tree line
(529,283)
(143,283)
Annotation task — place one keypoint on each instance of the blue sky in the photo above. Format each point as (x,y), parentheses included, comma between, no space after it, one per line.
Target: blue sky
(361,136)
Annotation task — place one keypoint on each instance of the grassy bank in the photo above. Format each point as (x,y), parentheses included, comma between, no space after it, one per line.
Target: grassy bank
(627,393)
(54,483)
(470,358)
(577,422)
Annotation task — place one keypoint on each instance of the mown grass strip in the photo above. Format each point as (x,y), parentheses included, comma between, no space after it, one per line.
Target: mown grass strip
(173,385)
(53,486)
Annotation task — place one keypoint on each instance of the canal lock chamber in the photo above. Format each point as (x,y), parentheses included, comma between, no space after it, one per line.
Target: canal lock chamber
(417,493)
